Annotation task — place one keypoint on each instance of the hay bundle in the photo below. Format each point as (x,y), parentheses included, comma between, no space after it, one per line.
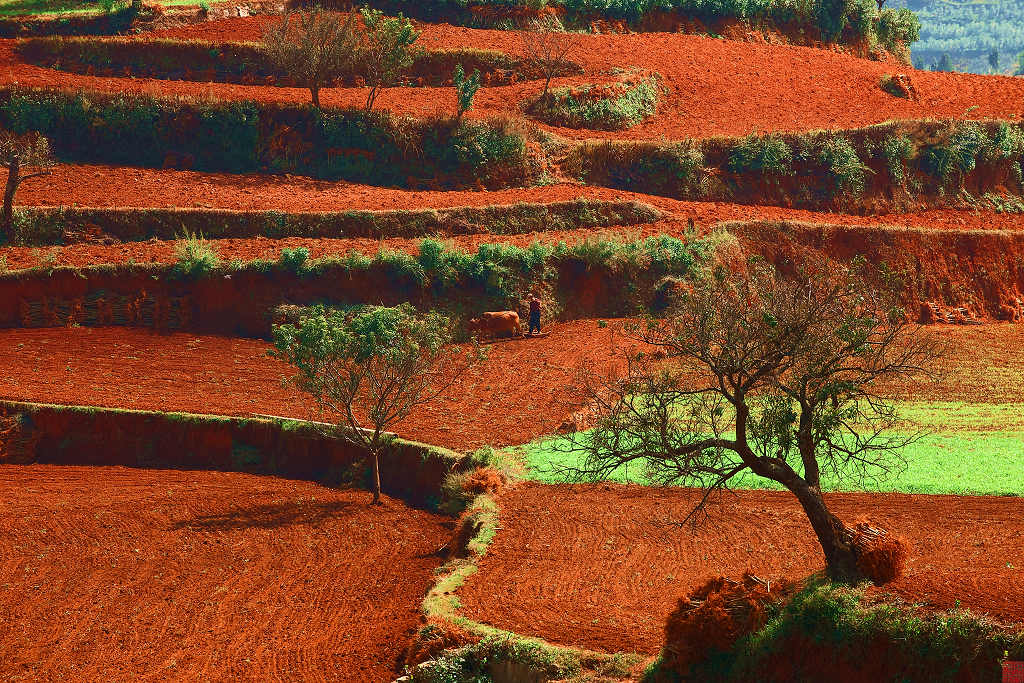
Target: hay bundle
(880,556)
(714,616)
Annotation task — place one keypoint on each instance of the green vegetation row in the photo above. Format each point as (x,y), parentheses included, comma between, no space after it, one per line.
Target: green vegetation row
(597,276)
(826,631)
(840,21)
(245,136)
(820,168)
(249,62)
(614,106)
(38,225)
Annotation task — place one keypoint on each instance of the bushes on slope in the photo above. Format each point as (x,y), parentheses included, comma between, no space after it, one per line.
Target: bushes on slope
(614,106)
(826,631)
(244,136)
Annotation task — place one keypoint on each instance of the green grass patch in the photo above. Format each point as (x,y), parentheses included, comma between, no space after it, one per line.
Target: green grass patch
(607,106)
(973,449)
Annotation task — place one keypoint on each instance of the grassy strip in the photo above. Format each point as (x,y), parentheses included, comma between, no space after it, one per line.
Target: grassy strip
(35,226)
(235,62)
(969,454)
(615,106)
(531,657)
(903,159)
(246,136)
(826,630)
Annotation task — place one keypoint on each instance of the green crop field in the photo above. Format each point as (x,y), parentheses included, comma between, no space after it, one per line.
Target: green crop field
(969,449)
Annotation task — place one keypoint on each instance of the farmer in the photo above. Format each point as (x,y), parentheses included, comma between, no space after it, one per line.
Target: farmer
(534,314)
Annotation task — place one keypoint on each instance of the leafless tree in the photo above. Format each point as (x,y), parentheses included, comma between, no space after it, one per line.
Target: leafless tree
(548,45)
(17,153)
(314,46)
(776,376)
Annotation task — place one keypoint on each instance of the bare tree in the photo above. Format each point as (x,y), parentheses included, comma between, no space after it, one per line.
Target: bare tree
(776,376)
(314,47)
(548,45)
(372,368)
(17,153)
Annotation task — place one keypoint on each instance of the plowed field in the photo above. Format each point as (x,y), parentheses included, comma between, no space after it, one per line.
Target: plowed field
(123,575)
(716,87)
(517,394)
(532,580)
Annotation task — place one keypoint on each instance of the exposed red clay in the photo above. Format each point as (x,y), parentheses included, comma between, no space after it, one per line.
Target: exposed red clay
(716,87)
(122,574)
(517,394)
(532,580)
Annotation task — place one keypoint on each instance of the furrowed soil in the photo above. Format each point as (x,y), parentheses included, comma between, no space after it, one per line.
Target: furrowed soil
(639,561)
(716,87)
(118,574)
(520,392)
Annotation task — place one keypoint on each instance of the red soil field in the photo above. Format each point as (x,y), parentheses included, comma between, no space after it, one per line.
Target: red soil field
(637,563)
(517,394)
(717,87)
(122,574)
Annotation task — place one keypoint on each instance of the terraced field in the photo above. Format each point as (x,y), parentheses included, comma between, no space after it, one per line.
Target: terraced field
(119,573)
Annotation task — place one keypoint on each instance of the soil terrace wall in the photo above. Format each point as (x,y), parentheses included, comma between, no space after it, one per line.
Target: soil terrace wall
(38,225)
(248,63)
(982,270)
(70,435)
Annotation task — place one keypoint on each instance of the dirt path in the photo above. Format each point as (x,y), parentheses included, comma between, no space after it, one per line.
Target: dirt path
(716,87)
(601,566)
(516,395)
(120,574)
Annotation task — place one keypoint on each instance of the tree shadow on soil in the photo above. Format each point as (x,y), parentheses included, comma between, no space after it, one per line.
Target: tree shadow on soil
(270,516)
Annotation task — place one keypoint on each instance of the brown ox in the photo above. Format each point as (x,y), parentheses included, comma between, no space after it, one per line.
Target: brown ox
(496,324)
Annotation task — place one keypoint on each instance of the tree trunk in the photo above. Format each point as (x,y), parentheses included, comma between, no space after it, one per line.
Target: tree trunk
(371,98)
(315,91)
(7,219)
(376,479)
(840,559)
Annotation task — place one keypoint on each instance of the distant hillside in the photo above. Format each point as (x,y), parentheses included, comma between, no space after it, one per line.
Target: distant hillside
(968,31)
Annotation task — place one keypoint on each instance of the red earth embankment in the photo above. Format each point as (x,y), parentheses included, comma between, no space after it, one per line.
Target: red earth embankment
(60,435)
(518,393)
(980,270)
(125,574)
(104,186)
(716,87)
(639,563)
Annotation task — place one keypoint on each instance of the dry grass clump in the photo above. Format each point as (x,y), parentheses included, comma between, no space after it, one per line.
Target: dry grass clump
(714,616)
(880,556)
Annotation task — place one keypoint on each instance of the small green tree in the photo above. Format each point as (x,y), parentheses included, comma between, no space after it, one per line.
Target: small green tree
(313,48)
(16,154)
(993,60)
(372,368)
(465,89)
(386,50)
(1020,65)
